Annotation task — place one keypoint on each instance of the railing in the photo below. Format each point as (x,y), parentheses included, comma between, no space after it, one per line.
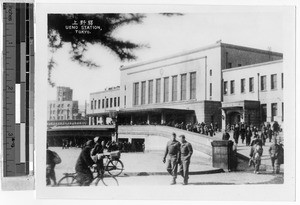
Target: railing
(199,142)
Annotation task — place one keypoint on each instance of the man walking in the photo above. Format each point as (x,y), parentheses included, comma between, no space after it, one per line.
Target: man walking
(186,151)
(256,153)
(276,155)
(173,150)
(50,165)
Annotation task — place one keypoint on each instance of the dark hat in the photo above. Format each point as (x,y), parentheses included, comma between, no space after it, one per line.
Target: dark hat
(182,136)
(174,134)
(89,143)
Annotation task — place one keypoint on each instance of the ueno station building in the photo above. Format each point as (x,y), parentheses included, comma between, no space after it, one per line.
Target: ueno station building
(219,83)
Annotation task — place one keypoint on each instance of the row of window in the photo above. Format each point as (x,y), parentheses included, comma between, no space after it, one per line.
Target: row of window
(59,111)
(59,105)
(263,84)
(158,85)
(61,118)
(105,103)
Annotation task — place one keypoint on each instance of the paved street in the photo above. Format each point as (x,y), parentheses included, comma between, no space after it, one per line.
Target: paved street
(152,171)
(134,163)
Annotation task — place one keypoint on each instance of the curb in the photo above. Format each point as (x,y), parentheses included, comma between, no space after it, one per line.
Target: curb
(246,159)
(127,174)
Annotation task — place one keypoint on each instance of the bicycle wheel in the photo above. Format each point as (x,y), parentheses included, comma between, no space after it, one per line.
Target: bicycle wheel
(107,180)
(115,167)
(67,181)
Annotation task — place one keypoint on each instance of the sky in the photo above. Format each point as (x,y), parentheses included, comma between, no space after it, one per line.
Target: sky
(166,36)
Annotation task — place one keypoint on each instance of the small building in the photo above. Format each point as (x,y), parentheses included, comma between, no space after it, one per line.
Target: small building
(102,105)
(64,110)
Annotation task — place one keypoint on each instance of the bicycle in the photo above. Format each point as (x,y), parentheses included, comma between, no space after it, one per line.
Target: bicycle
(113,165)
(69,179)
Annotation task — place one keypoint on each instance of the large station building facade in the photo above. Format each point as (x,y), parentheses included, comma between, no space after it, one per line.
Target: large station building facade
(219,83)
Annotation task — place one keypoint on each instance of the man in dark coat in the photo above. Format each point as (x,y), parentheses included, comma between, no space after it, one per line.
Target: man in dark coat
(84,164)
(173,152)
(248,136)
(186,151)
(236,134)
(50,165)
(276,155)
(243,132)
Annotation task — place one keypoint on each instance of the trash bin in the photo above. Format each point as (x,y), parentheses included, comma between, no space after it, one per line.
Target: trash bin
(222,155)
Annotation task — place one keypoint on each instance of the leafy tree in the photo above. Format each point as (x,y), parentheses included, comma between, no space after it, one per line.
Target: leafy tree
(99,28)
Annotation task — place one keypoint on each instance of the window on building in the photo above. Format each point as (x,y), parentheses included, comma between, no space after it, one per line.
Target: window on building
(158,89)
(193,85)
(251,84)
(150,92)
(263,112)
(111,102)
(239,65)
(115,101)
(274,81)
(243,84)
(106,106)
(118,101)
(225,88)
(229,65)
(92,103)
(166,89)
(274,110)
(99,104)
(174,88)
(143,94)
(103,103)
(263,82)
(232,86)
(95,104)
(183,87)
(210,89)
(135,93)
(282,80)
(210,72)
(50,106)
(125,100)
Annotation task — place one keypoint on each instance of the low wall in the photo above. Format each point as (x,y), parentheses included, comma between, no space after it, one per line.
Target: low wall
(156,137)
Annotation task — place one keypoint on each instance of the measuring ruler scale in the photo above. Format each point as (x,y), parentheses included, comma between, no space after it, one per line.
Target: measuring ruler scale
(18,89)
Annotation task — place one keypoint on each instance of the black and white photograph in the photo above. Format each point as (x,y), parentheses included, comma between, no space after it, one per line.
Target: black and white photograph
(166,99)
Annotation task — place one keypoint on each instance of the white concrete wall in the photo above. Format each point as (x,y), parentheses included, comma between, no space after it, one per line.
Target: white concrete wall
(156,137)
(200,62)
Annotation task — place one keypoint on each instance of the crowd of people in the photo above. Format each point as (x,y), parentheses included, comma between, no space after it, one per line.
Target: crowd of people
(201,128)
(256,140)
